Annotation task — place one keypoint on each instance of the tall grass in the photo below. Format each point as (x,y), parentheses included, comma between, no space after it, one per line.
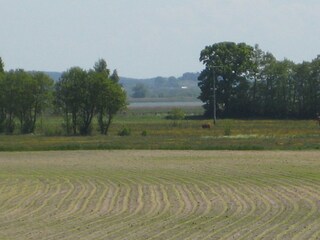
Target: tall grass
(163,134)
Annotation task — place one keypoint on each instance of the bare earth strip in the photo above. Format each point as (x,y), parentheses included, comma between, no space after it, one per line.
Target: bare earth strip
(160,195)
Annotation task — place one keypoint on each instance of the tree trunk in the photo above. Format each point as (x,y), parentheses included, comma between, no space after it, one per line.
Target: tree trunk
(108,124)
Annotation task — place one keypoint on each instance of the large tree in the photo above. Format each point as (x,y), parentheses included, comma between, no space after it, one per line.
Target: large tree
(83,94)
(23,96)
(256,84)
(34,98)
(71,96)
(307,82)
(234,64)
(112,98)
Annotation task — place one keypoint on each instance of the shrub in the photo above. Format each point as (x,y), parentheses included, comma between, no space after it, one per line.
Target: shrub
(144,133)
(176,114)
(125,132)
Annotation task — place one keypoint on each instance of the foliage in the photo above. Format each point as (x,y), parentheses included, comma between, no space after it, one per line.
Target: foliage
(112,98)
(256,84)
(234,63)
(176,114)
(23,96)
(114,76)
(144,133)
(124,132)
(82,94)
(71,95)
(101,67)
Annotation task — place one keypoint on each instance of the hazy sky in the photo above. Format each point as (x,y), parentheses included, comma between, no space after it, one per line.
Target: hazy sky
(147,38)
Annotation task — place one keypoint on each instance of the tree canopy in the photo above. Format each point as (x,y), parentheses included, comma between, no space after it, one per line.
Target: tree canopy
(23,96)
(254,84)
(81,95)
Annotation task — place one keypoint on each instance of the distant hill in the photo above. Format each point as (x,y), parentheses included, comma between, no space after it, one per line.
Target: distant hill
(158,87)
(54,75)
(164,87)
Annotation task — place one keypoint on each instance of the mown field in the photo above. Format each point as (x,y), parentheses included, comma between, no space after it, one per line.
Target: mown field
(139,194)
(162,133)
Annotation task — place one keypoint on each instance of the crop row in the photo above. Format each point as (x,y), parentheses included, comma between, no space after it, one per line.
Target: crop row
(220,203)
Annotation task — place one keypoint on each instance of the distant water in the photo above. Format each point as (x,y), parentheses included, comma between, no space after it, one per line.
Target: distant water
(165,104)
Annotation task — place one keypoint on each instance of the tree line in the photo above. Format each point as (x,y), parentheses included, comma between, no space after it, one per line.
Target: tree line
(80,95)
(253,83)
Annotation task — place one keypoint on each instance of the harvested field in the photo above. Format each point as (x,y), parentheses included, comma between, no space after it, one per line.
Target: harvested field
(160,195)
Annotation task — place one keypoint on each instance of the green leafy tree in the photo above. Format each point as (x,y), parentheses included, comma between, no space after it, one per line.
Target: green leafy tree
(114,76)
(82,94)
(255,83)
(265,85)
(10,90)
(234,63)
(35,97)
(24,96)
(71,95)
(274,87)
(43,93)
(112,99)
(256,79)
(307,88)
(284,72)
(101,67)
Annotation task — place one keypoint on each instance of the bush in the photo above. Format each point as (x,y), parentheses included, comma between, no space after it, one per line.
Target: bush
(176,114)
(144,133)
(125,132)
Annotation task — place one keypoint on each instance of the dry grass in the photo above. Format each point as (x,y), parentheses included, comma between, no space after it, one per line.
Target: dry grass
(160,195)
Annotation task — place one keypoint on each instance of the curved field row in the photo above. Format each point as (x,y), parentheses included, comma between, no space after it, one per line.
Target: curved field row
(160,195)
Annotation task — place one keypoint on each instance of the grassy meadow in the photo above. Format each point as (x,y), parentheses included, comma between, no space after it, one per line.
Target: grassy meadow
(142,194)
(150,129)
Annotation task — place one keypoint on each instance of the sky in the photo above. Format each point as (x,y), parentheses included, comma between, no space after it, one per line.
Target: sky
(149,38)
